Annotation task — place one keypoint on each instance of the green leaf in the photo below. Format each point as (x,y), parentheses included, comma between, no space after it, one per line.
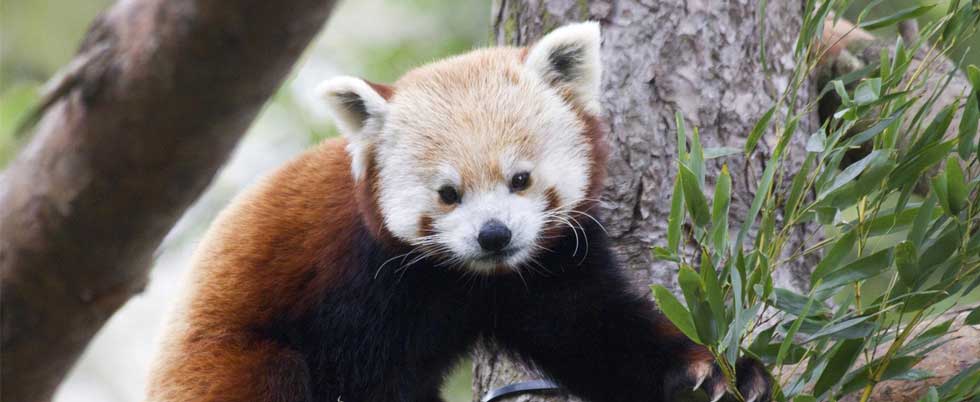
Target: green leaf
(838,328)
(788,341)
(761,193)
(681,138)
(662,254)
(676,218)
(841,92)
(880,126)
(956,188)
(859,270)
(817,141)
(842,358)
(793,303)
(691,285)
(907,262)
(675,312)
(719,210)
(941,250)
(922,220)
(832,259)
(796,189)
(968,126)
(719,152)
(939,188)
(867,91)
(937,128)
(697,205)
(712,290)
(931,396)
(974,74)
(852,172)
(974,317)
(757,131)
(900,16)
(896,367)
(696,162)
(910,170)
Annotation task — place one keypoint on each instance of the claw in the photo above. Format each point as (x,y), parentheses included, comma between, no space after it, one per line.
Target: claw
(719,391)
(717,396)
(700,372)
(756,391)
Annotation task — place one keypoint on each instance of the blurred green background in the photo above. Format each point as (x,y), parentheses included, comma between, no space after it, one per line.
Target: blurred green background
(375,39)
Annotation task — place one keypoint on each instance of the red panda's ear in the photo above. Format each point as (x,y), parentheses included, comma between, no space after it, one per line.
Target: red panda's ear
(359,111)
(568,59)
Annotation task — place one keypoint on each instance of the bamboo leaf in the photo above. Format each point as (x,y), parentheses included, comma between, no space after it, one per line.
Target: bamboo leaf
(974,317)
(837,328)
(955,185)
(697,205)
(880,126)
(696,162)
(851,172)
(760,195)
(719,152)
(911,169)
(867,91)
(712,290)
(893,19)
(691,286)
(907,263)
(719,210)
(793,303)
(675,312)
(832,259)
(817,141)
(841,359)
(796,189)
(757,131)
(923,219)
(974,74)
(859,270)
(968,126)
(676,217)
(681,138)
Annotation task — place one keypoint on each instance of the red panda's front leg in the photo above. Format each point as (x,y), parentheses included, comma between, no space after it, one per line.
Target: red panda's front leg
(604,343)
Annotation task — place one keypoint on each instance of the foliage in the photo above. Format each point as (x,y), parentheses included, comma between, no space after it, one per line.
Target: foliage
(896,254)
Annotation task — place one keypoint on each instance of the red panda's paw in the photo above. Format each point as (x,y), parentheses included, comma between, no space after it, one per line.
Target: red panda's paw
(753,381)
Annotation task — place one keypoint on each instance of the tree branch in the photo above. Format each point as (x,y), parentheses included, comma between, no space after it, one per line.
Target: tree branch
(131,134)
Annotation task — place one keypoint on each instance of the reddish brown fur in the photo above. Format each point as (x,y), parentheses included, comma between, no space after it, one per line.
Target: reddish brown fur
(298,219)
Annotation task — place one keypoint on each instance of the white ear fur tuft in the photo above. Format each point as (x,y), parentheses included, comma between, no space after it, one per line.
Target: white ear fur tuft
(359,111)
(568,58)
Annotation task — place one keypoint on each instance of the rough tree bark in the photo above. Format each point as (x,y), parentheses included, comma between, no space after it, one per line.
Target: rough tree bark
(134,130)
(699,58)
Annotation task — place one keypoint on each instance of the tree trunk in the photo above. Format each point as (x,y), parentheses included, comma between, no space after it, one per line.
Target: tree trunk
(660,57)
(134,130)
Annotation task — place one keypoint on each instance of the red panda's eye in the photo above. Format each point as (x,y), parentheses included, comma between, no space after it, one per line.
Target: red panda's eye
(520,181)
(448,195)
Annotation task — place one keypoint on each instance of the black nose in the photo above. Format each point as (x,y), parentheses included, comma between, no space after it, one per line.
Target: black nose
(494,236)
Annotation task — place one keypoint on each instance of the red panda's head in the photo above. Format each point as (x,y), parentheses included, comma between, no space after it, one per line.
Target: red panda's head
(481,158)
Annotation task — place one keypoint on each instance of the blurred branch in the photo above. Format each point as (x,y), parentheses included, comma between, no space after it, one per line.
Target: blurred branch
(134,130)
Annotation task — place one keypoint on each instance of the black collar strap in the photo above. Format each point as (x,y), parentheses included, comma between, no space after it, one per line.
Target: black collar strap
(525,387)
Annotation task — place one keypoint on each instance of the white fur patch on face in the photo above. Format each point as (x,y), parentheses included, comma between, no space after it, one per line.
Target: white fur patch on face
(359,112)
(458,230)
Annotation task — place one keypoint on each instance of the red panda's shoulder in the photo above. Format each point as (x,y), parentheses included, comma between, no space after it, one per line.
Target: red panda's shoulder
(279,245)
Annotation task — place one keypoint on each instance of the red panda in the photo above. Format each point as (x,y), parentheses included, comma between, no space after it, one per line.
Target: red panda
(457,208)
